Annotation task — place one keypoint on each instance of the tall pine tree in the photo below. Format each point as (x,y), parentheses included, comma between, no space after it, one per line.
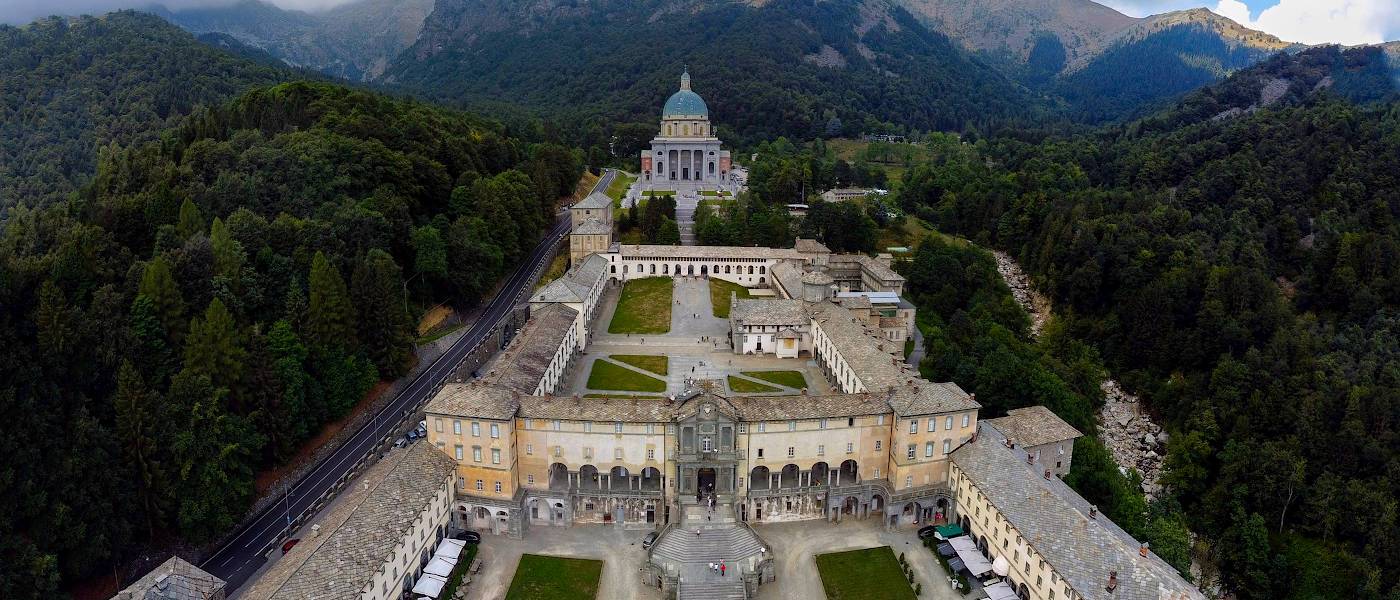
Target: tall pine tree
(331,319)
(378,287)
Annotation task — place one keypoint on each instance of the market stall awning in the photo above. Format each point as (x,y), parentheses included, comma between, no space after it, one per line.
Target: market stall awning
(429,585)
(945,549)
(439,566)
(1000,591)
(949,531)
(450,549)
(967,551)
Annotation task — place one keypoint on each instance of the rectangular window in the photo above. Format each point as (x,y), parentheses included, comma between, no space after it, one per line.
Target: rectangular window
(932,424)
(743,428)
(948,423)
(498,487)
(792,425)
(476,453)
(617,453)
(558,451)
(928,450)
(458,452)
(913,426)
(965,421)
(878,443)
(588,454)
(530,479)
(495,430)
(457,427)
(850,447)
(529,423)
(529,449)
(554,425)
(480,485)
(823,426)
(947,446)
(821,449)
(909,453)
(761,427)
(651,454)
(617,427)
(908,481)
(495,456)
(760,452)
(879,419)
(437,425)
(588,426)
(877,472)
(651,428)
(792,452)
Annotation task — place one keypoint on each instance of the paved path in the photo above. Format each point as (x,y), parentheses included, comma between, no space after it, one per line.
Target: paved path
(243,554)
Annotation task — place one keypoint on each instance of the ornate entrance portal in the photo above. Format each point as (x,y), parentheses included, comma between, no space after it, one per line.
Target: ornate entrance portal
(705,480)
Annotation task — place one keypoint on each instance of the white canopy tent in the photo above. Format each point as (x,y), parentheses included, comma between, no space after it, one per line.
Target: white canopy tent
(1000,591)
(429,585)
(449,550)
(967,551)
(440,567)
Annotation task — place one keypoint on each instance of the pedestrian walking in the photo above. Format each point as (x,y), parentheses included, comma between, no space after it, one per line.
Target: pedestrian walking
(721,568)
(710,566)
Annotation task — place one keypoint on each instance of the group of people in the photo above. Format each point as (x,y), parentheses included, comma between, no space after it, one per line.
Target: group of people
(718,568)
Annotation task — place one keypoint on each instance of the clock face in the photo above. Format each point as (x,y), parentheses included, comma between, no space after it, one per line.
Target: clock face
(708,408)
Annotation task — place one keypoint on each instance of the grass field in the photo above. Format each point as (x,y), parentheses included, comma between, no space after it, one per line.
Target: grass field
(556,269)
(792,379)
(719,296)
(608,376)
(654,363)
(911,233)
(744,386)
(645,307)
(619,187)
(870,574)
(554,578)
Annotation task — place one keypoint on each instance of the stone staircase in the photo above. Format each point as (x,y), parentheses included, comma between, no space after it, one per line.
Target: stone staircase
(720,540)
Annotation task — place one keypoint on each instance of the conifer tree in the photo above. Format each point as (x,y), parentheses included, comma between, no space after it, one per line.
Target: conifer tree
(158,284)
(191,220)
(139,431)
(228,253)
(214,348)
(331,320)
(378,288)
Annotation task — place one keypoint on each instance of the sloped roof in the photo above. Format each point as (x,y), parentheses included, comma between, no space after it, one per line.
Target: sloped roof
(596,200)
(1055,521)
(773,311)
(592,226)
(1033,426)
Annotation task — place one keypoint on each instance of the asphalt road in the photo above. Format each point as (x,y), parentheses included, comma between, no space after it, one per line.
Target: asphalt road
(241,556)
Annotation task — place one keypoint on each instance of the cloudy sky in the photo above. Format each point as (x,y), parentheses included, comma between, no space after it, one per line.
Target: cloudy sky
(1307,21)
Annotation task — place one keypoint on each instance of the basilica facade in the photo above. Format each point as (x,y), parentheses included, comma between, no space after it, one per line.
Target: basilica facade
(685,149)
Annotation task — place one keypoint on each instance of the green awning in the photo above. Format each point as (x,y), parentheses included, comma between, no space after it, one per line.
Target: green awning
(950,530)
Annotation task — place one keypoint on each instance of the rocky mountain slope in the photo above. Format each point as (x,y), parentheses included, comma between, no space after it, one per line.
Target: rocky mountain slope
(355,41)
(845,67)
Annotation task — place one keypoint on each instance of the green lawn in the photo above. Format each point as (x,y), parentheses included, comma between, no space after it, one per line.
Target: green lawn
(619,187)
(554,578)
(744,386)
(792,379)
(645,307)
(870,574)
(608,376)
(654,363)
(719,296)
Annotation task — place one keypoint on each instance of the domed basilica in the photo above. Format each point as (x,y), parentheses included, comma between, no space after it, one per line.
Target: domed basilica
(686,150)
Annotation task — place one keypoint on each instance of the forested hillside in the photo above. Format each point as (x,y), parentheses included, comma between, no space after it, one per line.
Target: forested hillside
(211,299)
(71,86)
(1243,274)
(823,68)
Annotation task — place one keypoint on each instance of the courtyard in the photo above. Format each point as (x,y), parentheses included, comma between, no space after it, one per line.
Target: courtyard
(540,577)
(693,345)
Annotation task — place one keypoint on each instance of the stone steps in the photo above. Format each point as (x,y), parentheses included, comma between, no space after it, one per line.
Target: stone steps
(727,544)
(713,590)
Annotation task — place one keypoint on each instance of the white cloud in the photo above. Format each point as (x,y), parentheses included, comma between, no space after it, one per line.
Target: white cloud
(24,11)
(1318,21)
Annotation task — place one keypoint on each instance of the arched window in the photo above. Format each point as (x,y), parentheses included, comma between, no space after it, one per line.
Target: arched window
(614,269)
(712,168)
(762,269)
(750,269)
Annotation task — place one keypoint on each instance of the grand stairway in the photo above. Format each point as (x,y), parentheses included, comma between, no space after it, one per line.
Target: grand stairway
(719,540)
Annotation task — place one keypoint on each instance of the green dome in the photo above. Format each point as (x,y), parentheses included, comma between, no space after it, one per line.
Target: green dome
(685,103)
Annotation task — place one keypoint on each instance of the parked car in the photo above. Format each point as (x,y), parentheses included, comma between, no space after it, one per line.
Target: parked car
(927,532)
(649,540)
(470,537)
(289,544)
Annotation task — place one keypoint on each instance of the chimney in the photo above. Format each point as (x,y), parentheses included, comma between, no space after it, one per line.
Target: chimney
(1143,550)
(1030,460)
(972,396)
(1094,512)
(1112,581)
(1047,474)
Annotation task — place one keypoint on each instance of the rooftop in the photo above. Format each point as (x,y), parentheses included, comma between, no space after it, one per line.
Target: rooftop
(632,410)
(475,399)
(1055,521)
(592,226)
(633,251)
(1033,426)
(786,408)
(789,277)
(174,579)
(807,246)
(817,278)
(564,289)
(776,312)
(596,200)
(522,365)
(359,547)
